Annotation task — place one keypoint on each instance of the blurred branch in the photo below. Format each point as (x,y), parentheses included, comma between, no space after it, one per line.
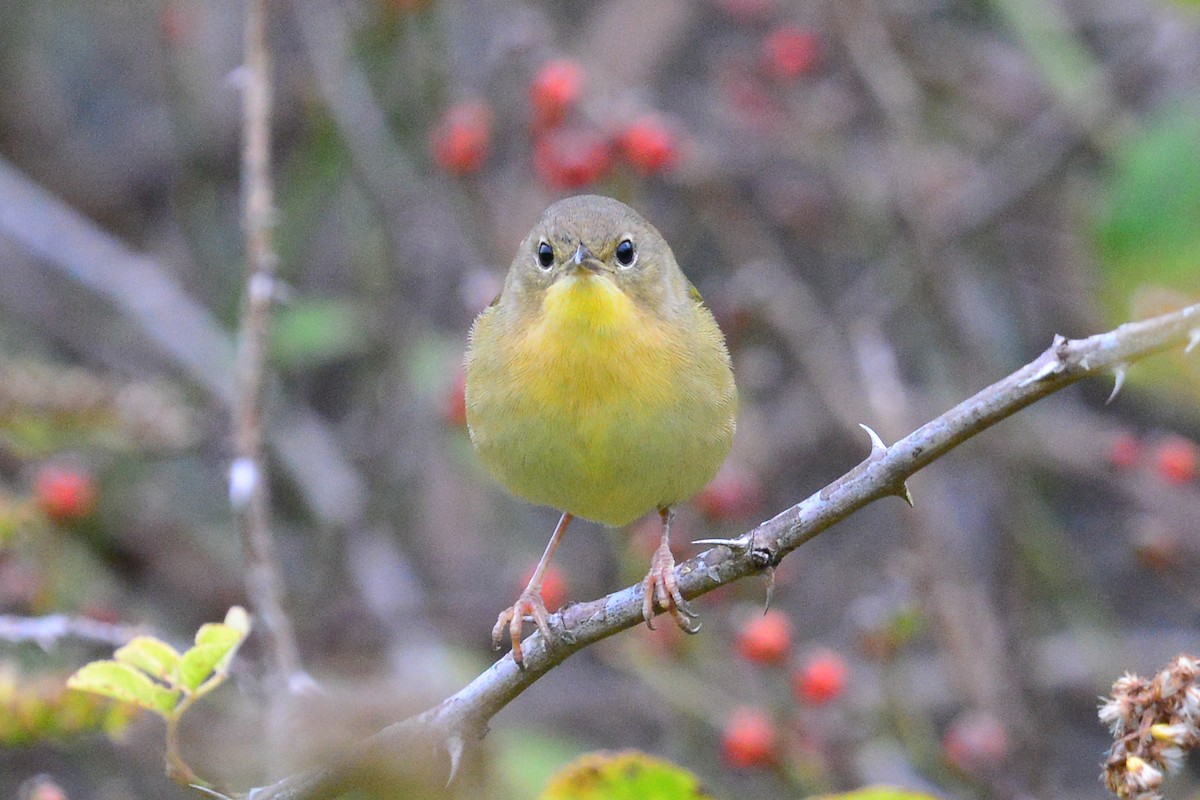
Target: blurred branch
(47,631)
(143,290)
(466,714)
(248,491)
(418,215)
(65,239)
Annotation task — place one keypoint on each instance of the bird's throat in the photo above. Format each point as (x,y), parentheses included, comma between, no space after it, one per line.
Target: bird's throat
(583,304)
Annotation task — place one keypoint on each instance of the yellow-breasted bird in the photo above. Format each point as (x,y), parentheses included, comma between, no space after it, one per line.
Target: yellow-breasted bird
(599,384)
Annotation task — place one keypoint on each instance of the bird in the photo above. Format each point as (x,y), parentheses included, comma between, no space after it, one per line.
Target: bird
(599,383)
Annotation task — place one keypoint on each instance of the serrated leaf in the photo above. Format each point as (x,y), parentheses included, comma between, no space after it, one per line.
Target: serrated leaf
(152,656)
(876,793)
(199,663)
(216,643)
(627,775)
(218,633)
(122,682)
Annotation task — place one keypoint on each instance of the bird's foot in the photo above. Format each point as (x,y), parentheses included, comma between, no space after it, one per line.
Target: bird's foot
(529,604)
(660,584)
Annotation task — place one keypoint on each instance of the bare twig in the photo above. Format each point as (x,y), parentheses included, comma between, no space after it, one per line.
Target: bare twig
(465,715)
(247,476)
(49,630)
(147,293)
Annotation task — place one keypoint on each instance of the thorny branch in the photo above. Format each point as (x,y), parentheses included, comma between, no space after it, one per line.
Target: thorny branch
(465,715)
(247,478)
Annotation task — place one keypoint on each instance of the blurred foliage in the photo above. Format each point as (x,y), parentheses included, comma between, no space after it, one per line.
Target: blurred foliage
(1148,235)
(34,710)
(623,776)
(45,409)
(1149,223)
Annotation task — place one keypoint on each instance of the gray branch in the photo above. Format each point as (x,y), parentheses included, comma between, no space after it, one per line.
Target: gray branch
(465,715)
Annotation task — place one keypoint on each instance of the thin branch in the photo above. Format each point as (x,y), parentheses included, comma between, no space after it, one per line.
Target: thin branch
(465,715)
(49,630)
(247,475)
(144,291)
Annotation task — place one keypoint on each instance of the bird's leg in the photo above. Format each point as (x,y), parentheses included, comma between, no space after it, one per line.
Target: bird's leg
(660,583)
(530,602)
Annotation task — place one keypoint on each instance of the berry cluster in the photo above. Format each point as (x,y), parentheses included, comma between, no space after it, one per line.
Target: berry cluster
(569,150)
(750,737)
(1174,458)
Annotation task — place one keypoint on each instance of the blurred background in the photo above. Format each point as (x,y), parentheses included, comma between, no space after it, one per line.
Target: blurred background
(887,205)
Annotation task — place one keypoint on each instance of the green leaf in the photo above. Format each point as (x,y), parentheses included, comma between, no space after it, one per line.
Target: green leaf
(152,656)
(876,793)
(528,757)
(199,663)
(311,332)
(219,633)
(1148,230)
(216,643)
(123,682)
(628,775)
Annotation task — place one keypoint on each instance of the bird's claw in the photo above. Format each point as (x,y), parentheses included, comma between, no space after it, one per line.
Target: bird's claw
(660,584)
(529,605)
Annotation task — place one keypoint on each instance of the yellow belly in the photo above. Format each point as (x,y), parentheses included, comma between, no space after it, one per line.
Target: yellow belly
(597,407)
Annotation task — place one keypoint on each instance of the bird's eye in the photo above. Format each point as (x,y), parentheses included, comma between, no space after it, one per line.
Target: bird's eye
(625,253)
(545,255)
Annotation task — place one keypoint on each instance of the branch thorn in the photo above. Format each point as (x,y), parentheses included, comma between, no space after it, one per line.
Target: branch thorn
(878,448)
(454,746)
(769,572)
(1119,372)
(1193,340)
(738,545)
(904,494)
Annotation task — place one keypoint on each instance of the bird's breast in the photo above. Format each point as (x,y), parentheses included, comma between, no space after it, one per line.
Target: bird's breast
(599,406)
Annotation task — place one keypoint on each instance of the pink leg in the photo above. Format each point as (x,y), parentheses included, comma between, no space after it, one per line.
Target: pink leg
(530,602)
(660,583)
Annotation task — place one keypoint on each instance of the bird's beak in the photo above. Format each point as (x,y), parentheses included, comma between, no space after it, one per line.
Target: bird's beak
(583,259)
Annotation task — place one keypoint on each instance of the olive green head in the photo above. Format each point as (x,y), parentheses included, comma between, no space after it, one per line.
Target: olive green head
(593,237)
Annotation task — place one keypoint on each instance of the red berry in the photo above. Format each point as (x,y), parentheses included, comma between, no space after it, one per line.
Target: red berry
(568,158)
(790,51)
(732,495)
(748,739)
(454,411)
(1175,459)
(765,639)
(65,493)
(1124,450)
(650,145)
(554,587)
(975,742)
(555,91)
(461,141)
(821,678)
